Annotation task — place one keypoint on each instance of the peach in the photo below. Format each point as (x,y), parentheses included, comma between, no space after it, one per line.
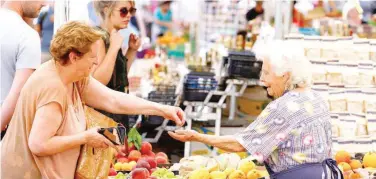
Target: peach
(152,162)
(355,164)
(150,154)
(123,160)
(162,154)
(346,167)
(161,160)
(146,147)
(140,173)
(134,155)
(342,156)
(143,164)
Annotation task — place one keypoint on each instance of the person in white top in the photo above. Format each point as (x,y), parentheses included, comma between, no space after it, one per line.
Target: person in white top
(20,52)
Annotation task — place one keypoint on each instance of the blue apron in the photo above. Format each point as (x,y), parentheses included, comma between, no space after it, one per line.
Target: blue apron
(326,170)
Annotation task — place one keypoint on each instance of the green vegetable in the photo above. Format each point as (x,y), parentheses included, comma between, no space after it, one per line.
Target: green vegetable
(135,138)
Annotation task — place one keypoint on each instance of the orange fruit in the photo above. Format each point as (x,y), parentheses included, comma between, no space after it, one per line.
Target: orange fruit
(342,156)
(346,167)
(354,176)
(355,164)
(369,160)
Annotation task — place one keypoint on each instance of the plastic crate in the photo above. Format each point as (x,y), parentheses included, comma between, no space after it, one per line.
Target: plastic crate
(197,86)
(244,65)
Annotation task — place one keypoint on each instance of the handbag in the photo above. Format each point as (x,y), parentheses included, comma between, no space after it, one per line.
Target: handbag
(94,163)
(326,170)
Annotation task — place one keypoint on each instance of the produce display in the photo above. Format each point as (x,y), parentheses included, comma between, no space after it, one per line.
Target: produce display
(224,166)
(360,166)
(140,161)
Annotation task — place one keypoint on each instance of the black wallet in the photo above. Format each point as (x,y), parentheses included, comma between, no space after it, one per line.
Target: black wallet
(115,134)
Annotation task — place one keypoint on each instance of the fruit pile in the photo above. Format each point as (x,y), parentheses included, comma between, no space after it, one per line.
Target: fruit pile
(140,160)
(224,166)
(361,166)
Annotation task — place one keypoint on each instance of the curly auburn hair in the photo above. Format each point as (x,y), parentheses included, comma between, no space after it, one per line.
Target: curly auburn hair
(75,37)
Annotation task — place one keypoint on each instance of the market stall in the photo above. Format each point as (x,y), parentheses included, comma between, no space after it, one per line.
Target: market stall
(205,66)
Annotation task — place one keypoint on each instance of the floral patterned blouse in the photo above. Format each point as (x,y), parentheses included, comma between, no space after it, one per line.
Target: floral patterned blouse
(292,130)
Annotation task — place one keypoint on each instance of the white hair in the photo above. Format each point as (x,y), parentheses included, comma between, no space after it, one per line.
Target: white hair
(284,57)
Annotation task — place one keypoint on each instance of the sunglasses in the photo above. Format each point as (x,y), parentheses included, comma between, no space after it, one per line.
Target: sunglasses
(124,11)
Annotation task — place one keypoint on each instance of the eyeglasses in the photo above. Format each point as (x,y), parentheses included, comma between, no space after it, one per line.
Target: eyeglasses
(124,11)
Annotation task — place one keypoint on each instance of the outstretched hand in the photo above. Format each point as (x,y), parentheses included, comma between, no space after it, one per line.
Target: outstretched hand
(184,135)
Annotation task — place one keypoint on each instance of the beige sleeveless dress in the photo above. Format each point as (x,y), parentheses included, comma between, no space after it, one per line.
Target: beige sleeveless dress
(43,87)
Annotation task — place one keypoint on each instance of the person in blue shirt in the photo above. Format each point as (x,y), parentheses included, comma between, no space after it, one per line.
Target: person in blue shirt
(45,28)
(163,17)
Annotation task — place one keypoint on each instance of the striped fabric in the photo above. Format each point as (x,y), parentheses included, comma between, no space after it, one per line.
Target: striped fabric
(292,130)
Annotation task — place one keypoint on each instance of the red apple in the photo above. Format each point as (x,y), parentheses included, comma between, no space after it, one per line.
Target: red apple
(150,154)
(134,155)
(152,162)
(162,154)
(161,160)
(140,173)
(112,172)
(123,160)
(146,147)
(152,177)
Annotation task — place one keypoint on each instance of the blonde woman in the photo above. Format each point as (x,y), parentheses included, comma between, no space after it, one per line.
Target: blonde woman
(113,66)
(48,126)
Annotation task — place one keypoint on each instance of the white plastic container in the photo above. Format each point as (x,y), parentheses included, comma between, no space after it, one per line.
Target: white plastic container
(335,145)
(373,51)
(334,75)
(362,48)
(366,76)
(334,120)
(362,145)
(345,48)
(355,101)
(348,126)
(329,47)
(337,101)
(312,47)
(370,99)
(319,73)
(346,144)
(361,124)
(350,75)
(371,123)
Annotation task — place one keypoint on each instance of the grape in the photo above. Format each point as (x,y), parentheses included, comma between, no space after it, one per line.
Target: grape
(120,176)
(163,173)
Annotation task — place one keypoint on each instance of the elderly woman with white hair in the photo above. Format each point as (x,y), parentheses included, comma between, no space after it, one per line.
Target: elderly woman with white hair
(292,135)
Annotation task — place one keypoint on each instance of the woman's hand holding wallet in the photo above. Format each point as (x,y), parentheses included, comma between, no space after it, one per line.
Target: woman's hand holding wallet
(95,139)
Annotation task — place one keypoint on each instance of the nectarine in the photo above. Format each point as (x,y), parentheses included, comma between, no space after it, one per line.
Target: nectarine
(342,156)
(346,167)
(161,160)
(162,154)
(134,155)
(123,160)
(140,173)
(146,147)
(355,164)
